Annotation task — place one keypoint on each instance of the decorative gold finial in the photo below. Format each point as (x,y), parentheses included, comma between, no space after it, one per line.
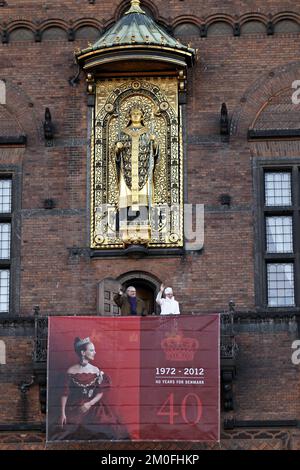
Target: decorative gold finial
(135,7)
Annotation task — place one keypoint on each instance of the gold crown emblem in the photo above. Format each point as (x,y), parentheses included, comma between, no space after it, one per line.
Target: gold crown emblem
(178,348)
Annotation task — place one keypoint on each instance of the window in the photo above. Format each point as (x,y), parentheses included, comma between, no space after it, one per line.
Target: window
(186,29)
(278,246)
(21,34)
(253,27)
(279,234)
(287,26)
(280,284)
(5,242)
(278,189)
(219,28)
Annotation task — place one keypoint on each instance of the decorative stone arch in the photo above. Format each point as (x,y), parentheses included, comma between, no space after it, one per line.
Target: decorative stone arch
(186,28)
(54,33)
(279,112)
(55,29)
(260,93)
(9,125)
(2,352)
(286,15)
(21,34)
(286,26)
(183,19)
(254,17)
(147,286)
(20,24)
(54,23)
(82,22)
(88,33)
(21,30)
(253,27)
(220,19)
(219,28)
(87,28)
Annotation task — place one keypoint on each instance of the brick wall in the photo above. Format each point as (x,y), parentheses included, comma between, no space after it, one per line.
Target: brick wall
(15,406)
(241,71)
(49,277)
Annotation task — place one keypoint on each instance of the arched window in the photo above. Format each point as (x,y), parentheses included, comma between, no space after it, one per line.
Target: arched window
(21,34)
(220,28)
(253,27)
(186,29)
(286,26)
(54,34)
(87,32)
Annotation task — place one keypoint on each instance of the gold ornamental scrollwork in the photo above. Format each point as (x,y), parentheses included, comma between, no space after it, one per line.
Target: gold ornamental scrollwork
(136,164)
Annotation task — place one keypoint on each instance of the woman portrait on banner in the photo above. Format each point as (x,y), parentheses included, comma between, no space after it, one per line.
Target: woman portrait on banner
(136,155)
(85,414)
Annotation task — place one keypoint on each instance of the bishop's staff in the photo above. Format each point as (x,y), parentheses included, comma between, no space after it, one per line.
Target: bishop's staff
(119,145)
(118,158)
(151,160)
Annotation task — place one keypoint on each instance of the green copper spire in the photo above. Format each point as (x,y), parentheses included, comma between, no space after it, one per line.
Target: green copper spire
(136,30)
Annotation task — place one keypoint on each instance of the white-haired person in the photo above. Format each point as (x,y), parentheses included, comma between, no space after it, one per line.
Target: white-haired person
(168,304)
(129,303)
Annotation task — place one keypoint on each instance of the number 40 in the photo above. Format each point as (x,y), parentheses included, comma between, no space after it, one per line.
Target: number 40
(168,408)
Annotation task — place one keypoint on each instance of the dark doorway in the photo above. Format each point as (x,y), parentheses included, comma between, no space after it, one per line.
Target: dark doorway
(145,291)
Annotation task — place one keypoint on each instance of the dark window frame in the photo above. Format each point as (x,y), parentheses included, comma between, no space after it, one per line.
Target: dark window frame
(13,172)
(261,166)
(6,217)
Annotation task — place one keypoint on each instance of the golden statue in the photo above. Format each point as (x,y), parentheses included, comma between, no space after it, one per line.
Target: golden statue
(136,154)
(136,171)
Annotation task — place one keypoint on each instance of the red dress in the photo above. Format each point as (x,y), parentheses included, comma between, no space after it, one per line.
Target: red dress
(99,422)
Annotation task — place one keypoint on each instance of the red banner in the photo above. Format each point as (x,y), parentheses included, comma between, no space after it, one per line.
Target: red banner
(133,378)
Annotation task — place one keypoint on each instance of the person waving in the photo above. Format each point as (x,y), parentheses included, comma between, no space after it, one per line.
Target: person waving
(168,304)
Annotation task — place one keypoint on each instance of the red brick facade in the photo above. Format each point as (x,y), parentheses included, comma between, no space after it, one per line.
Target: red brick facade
(53,268)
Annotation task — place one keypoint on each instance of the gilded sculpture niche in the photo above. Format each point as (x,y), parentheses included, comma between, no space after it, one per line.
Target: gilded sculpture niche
(136,161)
(136,164)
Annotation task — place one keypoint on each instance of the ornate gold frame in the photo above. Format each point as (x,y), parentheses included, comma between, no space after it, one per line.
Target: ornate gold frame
(158,96)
